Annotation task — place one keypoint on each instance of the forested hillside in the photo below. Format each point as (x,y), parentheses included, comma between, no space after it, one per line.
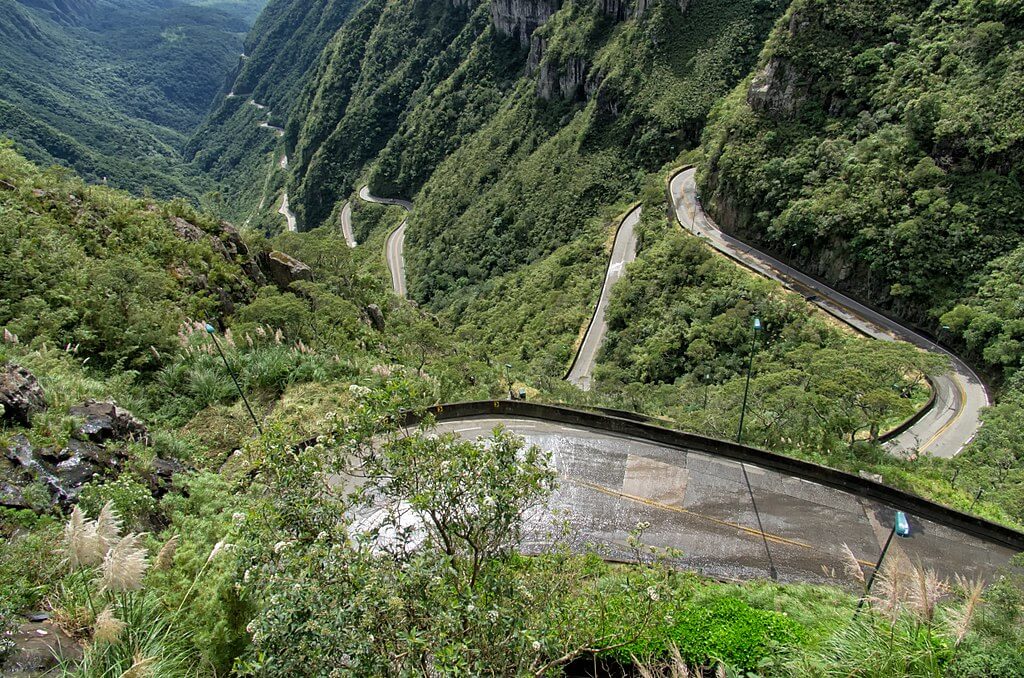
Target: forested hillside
(880,145)
(280,53)
(97,85)
(522,131)
(209,467)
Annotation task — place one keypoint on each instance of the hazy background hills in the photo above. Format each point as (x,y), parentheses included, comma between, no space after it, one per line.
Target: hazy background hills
(113,88)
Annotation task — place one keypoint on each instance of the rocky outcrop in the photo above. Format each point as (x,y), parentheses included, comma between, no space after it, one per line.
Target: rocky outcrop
(567,80)
(779,88)
(227,243)
(283,270)
(20,394)
(40,649)
(103,421)
(376,317)
(520,18)
(776,90)
(620,10)
(95,450)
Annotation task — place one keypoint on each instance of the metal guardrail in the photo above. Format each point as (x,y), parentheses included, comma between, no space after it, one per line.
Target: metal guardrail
(796,287)
(975,526)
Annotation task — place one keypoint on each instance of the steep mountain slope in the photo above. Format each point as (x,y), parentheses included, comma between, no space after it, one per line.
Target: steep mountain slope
(280,53)
(881,146)
(97,85)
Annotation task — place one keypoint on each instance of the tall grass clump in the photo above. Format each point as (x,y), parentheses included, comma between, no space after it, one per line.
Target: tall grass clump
(914,624)
(103,600)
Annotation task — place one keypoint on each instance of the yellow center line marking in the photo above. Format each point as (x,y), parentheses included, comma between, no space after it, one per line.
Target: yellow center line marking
(677,509)
(963,404)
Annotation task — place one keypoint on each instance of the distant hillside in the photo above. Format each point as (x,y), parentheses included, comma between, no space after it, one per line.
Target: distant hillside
(281,54)
(98,85)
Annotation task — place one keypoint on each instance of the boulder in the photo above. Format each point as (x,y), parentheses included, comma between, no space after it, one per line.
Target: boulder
(283,269)
(20,394)
(39,649)
(12,481)
(105,421)
(63,471)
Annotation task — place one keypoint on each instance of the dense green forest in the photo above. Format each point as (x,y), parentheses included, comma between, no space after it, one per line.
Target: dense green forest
(97,85)
(879,145)
(280,55)
(874,144)
(198,576)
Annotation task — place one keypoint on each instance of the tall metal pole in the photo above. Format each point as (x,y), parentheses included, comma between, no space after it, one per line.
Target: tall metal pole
(750,368)
(878,566)
(213,335)
(508,380)
(772,572)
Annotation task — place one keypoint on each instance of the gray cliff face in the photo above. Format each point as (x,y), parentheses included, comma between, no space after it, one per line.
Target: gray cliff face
(776,90)
(520,18)
(566,80)
(572,78)
(781,87)
(620,10)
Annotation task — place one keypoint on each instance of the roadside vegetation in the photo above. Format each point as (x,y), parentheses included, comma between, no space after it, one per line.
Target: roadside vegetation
(210,542)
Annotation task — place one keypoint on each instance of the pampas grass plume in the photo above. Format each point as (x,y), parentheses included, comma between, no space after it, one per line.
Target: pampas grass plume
(108,526)
(125,565)
(108,628)
(960,618)
(141,668)
(83,545)
(165,558)
(851,566)
(926,590)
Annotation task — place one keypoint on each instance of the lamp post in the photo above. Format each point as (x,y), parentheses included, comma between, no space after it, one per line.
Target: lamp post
(750,368)
(213,335)
(707,385)
(772,572)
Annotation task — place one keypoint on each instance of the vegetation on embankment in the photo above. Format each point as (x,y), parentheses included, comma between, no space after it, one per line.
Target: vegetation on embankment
(879,146)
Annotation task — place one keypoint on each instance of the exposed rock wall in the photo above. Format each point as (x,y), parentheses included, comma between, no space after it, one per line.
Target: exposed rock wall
(779,88)
(520,18)
(620,10)
(567,80)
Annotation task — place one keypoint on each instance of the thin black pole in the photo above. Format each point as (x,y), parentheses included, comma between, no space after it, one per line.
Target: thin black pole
(746,389)
(234,379)
(772,572)
(871,579)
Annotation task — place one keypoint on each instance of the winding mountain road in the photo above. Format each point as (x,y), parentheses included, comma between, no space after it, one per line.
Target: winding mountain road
(394,248)
(960,394)
(346,225)
(623,252)
(697,502)
(286,212)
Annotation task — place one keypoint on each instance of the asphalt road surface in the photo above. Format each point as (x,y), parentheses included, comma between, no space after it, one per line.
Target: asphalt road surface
(960,393)
(286,212)
(623,252)
(346,225)
(394,248)
(698,504)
